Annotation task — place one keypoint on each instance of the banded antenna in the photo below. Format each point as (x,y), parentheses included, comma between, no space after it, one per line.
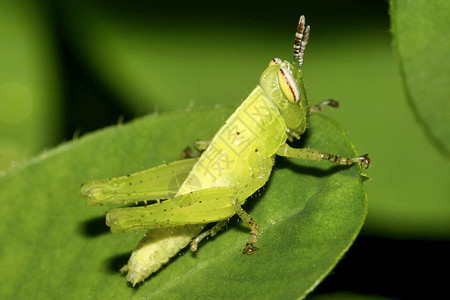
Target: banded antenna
(301,39)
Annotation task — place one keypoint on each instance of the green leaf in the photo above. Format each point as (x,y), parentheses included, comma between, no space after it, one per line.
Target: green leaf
(54,246)
(422,44)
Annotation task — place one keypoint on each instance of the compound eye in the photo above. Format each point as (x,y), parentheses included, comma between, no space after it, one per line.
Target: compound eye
(275,61)
(288,85)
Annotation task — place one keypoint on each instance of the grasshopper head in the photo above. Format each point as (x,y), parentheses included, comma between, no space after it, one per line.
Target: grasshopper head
(283,83)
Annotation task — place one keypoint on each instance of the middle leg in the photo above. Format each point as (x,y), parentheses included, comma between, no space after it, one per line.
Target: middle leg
(250,248)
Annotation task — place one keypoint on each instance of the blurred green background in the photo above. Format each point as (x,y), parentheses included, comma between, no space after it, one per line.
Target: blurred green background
(68,68)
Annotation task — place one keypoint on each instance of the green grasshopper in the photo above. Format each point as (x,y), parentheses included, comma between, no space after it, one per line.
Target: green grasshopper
(212,188)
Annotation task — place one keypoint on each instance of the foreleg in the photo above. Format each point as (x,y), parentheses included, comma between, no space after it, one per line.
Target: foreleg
(317,155)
